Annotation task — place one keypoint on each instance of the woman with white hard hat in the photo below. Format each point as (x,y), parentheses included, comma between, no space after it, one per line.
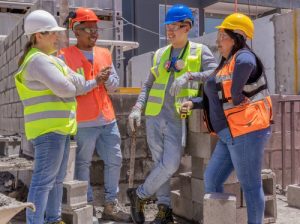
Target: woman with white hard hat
(47,89)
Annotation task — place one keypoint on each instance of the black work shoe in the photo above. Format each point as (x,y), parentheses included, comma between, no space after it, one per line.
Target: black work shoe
(163,216)
(137,206)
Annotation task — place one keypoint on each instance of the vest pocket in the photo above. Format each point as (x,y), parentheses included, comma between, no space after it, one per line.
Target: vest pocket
(248,118)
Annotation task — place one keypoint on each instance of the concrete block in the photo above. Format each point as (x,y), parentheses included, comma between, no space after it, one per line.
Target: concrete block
(26,146)
(20,28)
(198,167)
(197,212)
(74,194)
(219,208)
(270,211)
(200,144)
(241,215)
(293,195)
(71,162)
(235,189)
(10,146)
(78,216)
(181,207)
(196,123)
(198,190)
(186,185)
(20,110)
(269,182)
(185,165)
(141,150)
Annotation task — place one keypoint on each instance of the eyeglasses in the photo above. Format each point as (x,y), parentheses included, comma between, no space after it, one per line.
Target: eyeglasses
(172,27)
(89,30)
(222,36)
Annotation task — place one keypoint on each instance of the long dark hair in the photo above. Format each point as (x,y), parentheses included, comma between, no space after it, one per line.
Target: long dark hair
(239,43)
(28,46)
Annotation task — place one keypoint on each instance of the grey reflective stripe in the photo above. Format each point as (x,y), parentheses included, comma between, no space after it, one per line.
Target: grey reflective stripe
(193,48)
(49,114)
(220,95)
(253,86)
(158,86)
(154,99)
(221,78)
(46,99)
(259,96)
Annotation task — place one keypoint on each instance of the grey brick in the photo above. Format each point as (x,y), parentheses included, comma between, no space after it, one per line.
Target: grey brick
(181,206)
(20,110)
(74,194)
(293,195)
(219,208)
(15,33)
(20,28)
(79,216)
(186,185)
(18,46)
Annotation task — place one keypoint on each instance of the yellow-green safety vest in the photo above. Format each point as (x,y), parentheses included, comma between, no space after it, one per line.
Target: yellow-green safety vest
(45,112)
(192,59)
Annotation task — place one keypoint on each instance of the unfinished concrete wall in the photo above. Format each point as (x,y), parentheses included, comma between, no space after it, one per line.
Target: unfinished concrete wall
(287,52)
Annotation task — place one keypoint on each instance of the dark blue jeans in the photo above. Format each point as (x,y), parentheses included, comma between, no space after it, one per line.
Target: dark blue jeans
(244,154)
(46,188)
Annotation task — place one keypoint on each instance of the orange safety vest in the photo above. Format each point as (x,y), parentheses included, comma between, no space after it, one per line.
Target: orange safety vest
(97,101)
(248,117)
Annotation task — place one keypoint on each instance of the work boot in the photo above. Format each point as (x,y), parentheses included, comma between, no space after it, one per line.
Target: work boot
(137,206)
(163,216)
(113,212)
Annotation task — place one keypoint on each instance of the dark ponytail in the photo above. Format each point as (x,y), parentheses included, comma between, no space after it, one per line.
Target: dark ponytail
(27,48)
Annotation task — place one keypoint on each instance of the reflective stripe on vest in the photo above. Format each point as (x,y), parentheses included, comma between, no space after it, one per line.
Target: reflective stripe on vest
(192,59)
(97,101)
(245,118)
(45,112)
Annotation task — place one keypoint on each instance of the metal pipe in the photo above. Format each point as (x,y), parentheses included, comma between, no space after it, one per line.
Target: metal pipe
(283,142)
(293,153)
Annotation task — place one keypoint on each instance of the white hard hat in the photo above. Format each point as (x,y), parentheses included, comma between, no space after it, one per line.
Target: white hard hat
(40,21)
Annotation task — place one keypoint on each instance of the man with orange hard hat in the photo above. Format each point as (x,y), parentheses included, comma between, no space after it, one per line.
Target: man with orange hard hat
(97,126)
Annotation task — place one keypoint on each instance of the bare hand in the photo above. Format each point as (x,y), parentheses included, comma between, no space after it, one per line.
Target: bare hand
(103,75)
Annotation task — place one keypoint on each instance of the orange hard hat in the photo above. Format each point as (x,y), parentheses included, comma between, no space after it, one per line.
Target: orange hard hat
(83,15)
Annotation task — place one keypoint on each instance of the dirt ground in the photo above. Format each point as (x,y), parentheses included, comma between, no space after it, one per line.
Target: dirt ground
(286,215)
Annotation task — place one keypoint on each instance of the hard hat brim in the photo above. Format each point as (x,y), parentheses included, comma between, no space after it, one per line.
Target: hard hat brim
(57,29)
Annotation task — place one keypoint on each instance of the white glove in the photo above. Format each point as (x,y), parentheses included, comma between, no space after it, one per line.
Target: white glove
(179,83)
(135,114)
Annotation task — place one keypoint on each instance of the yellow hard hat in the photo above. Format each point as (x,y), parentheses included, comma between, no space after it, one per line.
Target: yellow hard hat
(238,22)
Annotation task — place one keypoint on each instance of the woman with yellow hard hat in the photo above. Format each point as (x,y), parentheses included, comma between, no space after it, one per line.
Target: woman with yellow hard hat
(238,110)
(47,89)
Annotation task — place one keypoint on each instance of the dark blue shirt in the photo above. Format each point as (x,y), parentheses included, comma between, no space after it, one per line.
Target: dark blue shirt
(244,70)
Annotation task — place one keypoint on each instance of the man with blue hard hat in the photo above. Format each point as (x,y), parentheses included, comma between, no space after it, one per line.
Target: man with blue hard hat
(175,77)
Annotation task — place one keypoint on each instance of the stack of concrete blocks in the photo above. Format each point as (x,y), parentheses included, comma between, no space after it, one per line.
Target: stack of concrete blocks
(10,146)
(123,104)
(293,195)
(75,209)
(188,201)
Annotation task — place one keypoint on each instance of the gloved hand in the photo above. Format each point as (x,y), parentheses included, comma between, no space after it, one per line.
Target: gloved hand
(179,83)
(136,114)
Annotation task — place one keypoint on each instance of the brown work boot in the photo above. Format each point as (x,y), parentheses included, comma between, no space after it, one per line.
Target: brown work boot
(113,212)
(164,215)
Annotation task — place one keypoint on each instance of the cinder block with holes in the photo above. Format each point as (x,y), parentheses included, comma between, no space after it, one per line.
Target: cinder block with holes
(74,195)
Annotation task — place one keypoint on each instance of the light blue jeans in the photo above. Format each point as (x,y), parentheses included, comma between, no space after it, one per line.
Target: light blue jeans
(164,140)
(106,139)
(244,154)
(46,188)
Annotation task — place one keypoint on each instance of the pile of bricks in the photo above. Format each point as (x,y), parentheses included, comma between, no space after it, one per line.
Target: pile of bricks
(75,209)
(191,202)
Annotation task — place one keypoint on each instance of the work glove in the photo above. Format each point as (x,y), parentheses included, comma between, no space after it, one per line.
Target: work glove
(179,83)
(136,114)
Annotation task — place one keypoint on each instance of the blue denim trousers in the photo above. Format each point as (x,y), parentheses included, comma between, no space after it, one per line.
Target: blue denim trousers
(106,140)
(46,188)
(164,140)
(244,154)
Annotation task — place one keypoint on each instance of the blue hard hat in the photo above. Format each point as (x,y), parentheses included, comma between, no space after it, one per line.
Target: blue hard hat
(178,13)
